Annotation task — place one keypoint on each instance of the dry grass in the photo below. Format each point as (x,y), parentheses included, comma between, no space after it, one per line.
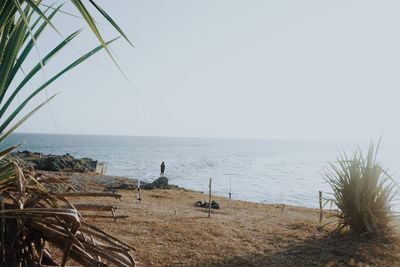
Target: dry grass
(35,221)
(168,231)
(363,192)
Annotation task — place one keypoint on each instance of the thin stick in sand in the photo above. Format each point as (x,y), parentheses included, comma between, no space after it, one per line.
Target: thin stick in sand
(320,207)
(230,188)
(139,197)
(209,199)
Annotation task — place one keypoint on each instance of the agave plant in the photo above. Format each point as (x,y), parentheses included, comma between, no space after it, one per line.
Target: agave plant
(363,192)
(31,216)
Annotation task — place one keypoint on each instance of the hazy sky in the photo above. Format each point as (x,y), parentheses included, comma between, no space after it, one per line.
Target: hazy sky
(262,69)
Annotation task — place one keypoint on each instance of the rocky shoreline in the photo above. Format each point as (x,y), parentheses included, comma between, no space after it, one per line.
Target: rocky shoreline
(56,163)
(81,174)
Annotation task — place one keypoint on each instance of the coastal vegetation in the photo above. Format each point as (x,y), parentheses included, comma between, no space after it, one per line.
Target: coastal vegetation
(30,215)
(168,230)
(363,191)
(39,226)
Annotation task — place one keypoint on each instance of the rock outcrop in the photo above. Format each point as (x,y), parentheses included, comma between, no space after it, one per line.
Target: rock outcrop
(56,163)
(161,182)
(84,169)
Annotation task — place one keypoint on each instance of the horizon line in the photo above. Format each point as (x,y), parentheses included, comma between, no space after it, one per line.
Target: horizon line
(196,137)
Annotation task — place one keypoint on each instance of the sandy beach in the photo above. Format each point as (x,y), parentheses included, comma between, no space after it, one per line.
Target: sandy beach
(167,230)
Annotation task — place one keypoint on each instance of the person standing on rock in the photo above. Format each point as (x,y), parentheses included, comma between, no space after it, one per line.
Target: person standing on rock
(162,169)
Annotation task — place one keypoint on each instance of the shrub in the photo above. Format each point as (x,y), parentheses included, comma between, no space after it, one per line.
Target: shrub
(363,192)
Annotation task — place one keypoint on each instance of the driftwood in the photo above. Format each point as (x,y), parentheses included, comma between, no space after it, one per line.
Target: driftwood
(105,216)
(94,207)
(99,207)
(89,194)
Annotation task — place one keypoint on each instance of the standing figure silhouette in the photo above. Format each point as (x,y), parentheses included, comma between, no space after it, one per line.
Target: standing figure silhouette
(162,167)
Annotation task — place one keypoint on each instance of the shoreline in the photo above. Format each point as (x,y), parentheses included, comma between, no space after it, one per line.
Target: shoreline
(259,177)
(113,182)
(168,230)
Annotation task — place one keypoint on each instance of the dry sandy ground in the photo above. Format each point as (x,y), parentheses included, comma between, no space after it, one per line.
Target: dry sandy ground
(167,230)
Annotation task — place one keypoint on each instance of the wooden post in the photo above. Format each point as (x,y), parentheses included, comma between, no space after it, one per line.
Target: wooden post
(209,199)
(320,207)
(230,188)
(139,197)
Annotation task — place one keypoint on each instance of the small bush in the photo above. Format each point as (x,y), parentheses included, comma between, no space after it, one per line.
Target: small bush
(363,192)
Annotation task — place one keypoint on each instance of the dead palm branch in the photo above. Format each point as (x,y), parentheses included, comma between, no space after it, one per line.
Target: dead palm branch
(30,216)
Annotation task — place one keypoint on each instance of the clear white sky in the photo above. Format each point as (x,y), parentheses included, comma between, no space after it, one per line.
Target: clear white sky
(247,69)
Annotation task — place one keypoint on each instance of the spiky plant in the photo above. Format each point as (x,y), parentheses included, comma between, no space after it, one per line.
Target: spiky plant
(30,216)
(363,192)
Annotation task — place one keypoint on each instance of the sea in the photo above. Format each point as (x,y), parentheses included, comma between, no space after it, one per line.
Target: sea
(266,171)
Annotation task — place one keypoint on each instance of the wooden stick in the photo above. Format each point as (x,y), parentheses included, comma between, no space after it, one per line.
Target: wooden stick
(320,207)
(48,257)
(94,244)
(230,188)
(89,194)
(139,197)
(105,216)
(209,199)
(93,207)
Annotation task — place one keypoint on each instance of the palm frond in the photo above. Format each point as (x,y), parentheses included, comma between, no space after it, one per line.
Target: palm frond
(30,215)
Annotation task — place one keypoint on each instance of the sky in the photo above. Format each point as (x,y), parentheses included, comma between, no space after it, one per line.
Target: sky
(237,69)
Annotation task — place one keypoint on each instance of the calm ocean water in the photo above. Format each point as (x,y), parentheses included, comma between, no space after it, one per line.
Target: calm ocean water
(273,171)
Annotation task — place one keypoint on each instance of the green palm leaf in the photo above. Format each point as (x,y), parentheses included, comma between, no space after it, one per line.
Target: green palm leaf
(22,22)
(51,80)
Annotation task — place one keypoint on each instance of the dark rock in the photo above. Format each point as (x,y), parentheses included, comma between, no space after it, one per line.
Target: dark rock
(205,204)
(214,205)
(56,163)
(161,182)
(50,164)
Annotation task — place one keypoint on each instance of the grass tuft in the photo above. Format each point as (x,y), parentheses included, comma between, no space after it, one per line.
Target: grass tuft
(363,192)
